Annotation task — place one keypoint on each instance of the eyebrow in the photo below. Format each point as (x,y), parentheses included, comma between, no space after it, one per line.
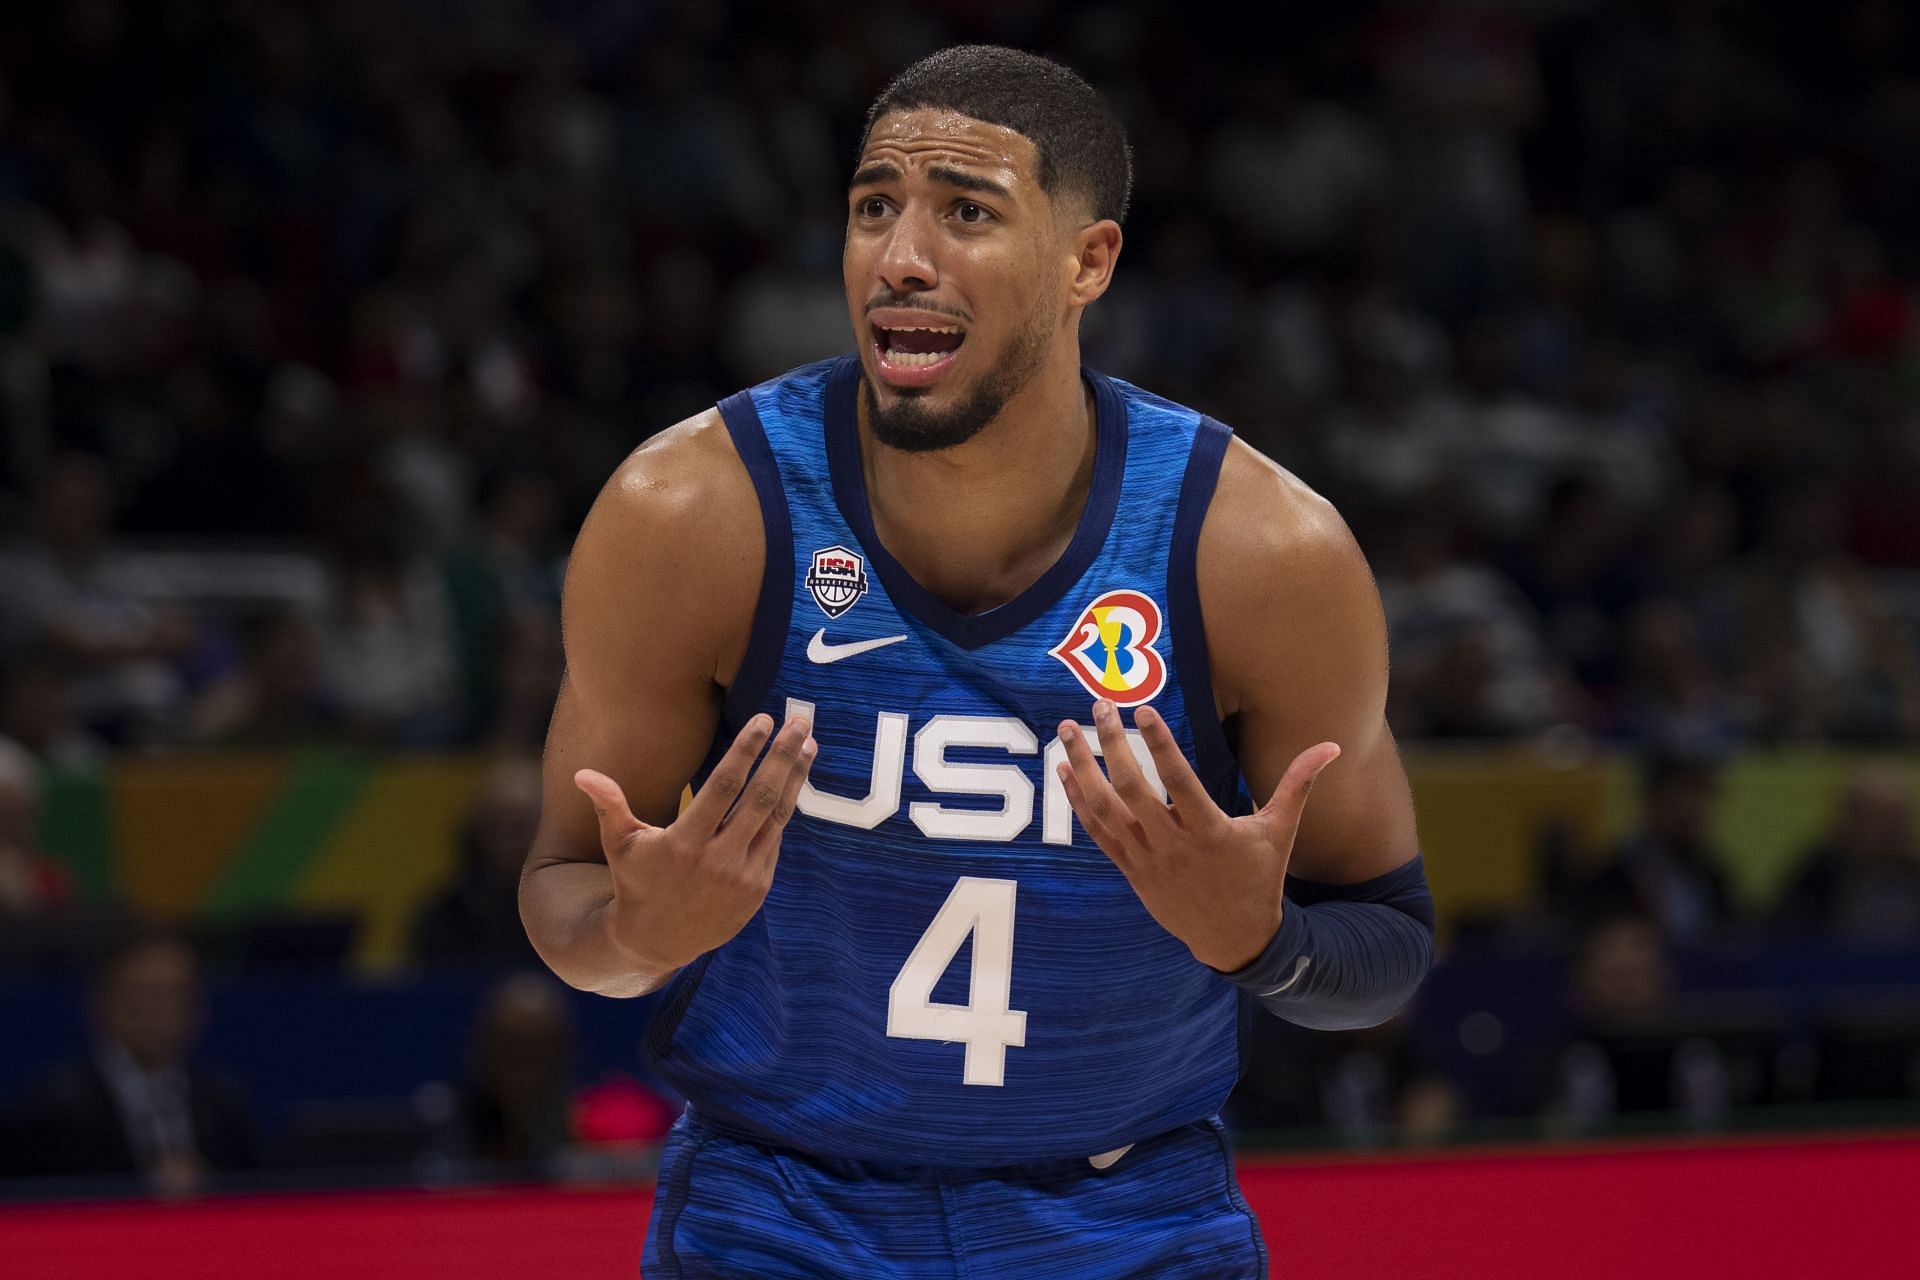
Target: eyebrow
(883,171)
(873,174)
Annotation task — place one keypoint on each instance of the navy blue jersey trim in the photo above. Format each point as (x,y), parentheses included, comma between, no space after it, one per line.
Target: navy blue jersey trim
(970,631)
(774,611)
(677,1192)
(1243,1034)
(657,1043)
(1218,768)
(1235,1196)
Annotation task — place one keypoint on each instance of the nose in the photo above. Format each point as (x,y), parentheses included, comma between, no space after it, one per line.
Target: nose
(906,257)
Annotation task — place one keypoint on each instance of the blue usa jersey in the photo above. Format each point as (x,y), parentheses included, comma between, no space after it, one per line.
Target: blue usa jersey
(947,970)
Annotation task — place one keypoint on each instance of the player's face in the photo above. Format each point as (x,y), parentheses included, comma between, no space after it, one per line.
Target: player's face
(954,274)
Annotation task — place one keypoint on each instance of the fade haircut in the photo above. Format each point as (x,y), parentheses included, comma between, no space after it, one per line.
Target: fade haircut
(1081,147)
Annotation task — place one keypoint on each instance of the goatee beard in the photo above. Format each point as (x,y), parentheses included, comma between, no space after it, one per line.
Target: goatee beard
(911,426)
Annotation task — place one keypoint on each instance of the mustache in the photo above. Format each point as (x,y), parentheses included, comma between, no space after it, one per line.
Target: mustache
(908,302)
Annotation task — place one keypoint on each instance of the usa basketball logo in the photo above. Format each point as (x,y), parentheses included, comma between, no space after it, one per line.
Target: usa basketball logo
(1109,650)
(838,579)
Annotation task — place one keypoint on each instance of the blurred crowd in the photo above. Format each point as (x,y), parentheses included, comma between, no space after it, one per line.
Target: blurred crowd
(321,325)
(133,1104)
(1631,990)
(1634,990)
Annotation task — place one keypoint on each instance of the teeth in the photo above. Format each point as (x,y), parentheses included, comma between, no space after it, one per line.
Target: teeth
(920,328)
(914,359)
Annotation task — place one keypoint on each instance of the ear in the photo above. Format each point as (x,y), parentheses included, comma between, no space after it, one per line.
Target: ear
(1096,250)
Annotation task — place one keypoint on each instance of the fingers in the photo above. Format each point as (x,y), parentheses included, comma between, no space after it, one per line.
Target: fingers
(723,785)
(766,841)
(1290,797)
(1102,812)
(1185,791)
(617,822)
(761,799)
(1098,815)
(1123,770)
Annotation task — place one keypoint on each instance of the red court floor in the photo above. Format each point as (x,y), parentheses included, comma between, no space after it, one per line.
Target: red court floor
(1816,1207)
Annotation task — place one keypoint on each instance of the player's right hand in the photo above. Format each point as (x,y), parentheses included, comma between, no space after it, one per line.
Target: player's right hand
(683,889)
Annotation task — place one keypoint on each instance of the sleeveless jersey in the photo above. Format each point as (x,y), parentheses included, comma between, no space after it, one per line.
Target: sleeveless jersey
(947,970)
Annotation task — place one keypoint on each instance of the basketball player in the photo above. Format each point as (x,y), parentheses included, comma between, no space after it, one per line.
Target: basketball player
(969,654)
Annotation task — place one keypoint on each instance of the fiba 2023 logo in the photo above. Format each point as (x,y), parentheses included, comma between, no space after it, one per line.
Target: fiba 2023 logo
(1110,650)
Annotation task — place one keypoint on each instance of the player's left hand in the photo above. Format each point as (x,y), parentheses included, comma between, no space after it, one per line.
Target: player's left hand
(1212,881)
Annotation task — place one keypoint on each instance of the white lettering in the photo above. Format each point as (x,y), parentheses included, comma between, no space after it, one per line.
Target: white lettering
(1007,781)
(1056,816)
(882,800)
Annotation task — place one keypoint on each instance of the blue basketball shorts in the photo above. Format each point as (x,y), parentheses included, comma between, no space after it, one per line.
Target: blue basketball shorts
(732,1209)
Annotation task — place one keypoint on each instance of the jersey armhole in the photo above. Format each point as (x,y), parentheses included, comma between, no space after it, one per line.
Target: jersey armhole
(1218,767)
(773,611)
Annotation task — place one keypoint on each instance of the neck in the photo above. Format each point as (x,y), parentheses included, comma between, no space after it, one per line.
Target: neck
(979,523)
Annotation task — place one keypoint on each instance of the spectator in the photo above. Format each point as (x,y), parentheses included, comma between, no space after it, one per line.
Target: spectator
(36,710)
(386,639)
(76,599)
(514,1103)
(1673,698)
(476,922)
(1462,84)
(138,1108)
(86,267)
(1573,572)
(1468,658)
(504,588)
(30,881)
(1816,615)
(531,664)
(1668,872)
(274,697)
(1627,1049)
(221,478)
(1432,250)
(1860,883)
(1379,1086)
(1292,174)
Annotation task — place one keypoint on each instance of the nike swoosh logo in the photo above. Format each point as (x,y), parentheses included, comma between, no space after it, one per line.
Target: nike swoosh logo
(1299,967)
(818,650)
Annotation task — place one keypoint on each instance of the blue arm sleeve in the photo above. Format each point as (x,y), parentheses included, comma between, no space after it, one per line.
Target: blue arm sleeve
(1346,955)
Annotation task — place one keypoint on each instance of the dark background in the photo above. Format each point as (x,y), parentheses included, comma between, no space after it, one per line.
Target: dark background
(321,325)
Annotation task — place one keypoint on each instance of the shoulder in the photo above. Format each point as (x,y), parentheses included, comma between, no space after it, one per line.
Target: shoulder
(1267,534)
(672,551)
(670,483)
(1279,573)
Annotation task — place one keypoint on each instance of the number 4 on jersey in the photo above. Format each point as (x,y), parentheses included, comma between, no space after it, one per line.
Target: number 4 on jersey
(983,908)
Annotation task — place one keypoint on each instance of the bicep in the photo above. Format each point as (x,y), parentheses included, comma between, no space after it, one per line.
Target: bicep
(641,697)
(650,742)
(1358,822)
(1302,659)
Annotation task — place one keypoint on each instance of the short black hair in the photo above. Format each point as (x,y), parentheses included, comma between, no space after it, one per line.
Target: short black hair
(1080,144)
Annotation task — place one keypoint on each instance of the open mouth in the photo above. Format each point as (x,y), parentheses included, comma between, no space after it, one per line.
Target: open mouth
(915,354)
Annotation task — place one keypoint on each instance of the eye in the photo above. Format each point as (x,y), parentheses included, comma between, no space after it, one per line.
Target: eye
(870,207)
(968,211)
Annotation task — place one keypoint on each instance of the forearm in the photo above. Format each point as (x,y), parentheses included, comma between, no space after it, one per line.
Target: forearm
(1346,956)
(565,908)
